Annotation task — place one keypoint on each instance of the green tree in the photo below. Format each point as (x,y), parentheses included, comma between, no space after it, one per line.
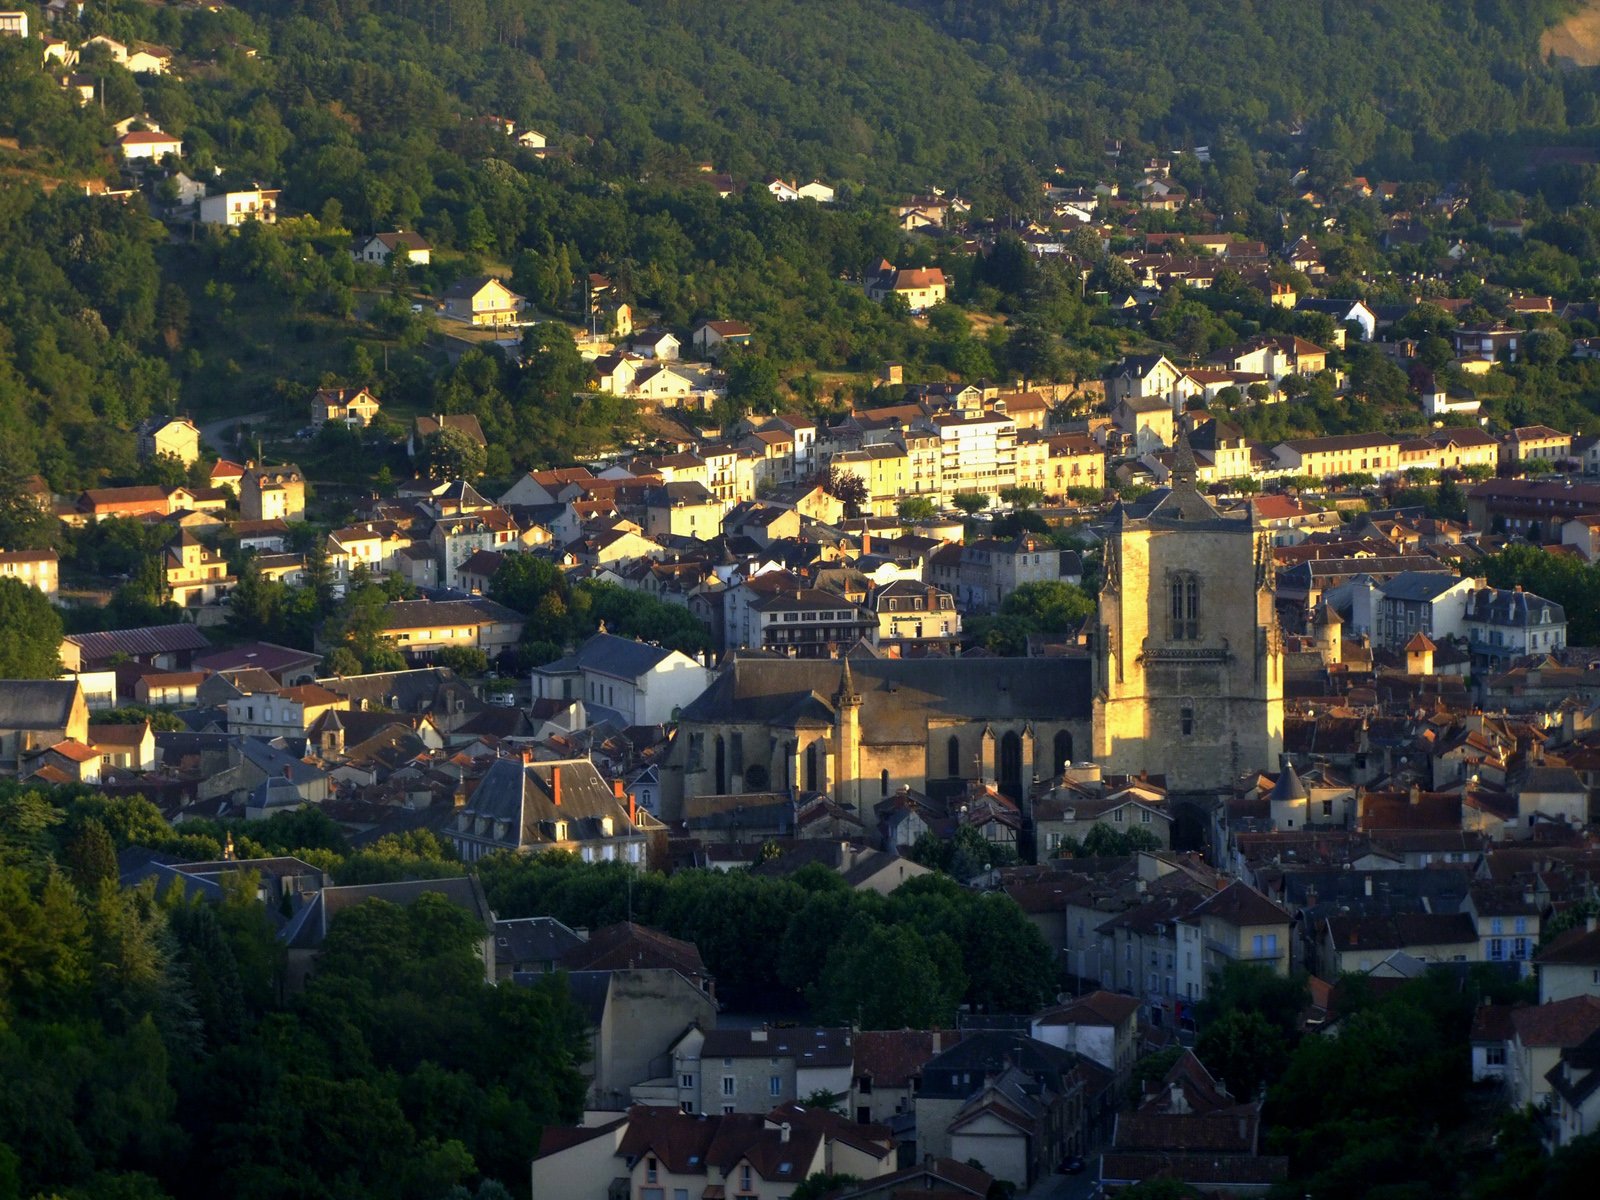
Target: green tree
(916,508)
(449,453)
(91,856)
(1244,1050)
(887,979)
(31,646)
(971,503)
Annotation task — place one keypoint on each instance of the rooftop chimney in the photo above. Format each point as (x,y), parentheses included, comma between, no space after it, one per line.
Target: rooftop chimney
(555,785)
(616,788)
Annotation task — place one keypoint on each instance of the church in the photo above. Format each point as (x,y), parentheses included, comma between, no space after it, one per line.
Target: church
(1184,679)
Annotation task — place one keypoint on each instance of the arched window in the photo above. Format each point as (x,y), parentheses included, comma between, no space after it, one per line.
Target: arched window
(1184,593)
(811,767)
(1011,764)
(1186,718)
(883,783)
(1063,751)
(952,752)
(722,766)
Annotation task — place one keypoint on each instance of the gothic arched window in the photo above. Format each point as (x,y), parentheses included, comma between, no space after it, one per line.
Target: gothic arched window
(1184,593)
(1186,718)
(1063,748)
(952,751)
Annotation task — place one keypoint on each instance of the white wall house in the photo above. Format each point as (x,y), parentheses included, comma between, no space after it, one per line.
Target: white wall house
(643,684)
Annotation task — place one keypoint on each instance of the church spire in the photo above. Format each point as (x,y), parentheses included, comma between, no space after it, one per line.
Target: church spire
(847,685)
(1184,471)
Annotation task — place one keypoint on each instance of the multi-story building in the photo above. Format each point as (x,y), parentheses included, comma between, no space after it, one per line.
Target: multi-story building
(530,807)
(1534,443)
(642,684)
(808,622)
(268,493)
(913,616)
(235,208)
(1053,463)
(754,1070)
(979,453)
(1501,625)
(1376,454)
(982,573)
(351,406)
(37,568)
(176,437)
(421,628)
(1530,508)
(1432,603)
(885,473)
(195,574)
(288,712)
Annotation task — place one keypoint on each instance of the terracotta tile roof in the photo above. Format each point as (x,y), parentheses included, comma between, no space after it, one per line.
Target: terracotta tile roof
(1562,1023)
(627,946)
(892,1058)
(1241,904)
(1100,1007)
(1492,1023)
(1579,946)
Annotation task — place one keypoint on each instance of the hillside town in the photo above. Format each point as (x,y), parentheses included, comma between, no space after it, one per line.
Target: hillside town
(1067,682)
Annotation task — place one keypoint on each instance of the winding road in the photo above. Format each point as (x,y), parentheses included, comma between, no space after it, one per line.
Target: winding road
(219,434)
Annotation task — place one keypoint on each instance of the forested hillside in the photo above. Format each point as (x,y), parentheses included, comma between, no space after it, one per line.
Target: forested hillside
(1384,78)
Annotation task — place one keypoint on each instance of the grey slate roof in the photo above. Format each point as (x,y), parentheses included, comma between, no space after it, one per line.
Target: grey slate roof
(898,695)
(149,639)
(36,703)
(1418,585)
(533,939)
(619,656)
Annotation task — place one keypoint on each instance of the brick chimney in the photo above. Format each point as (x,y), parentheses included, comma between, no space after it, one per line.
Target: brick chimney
(555,786)
(616,788)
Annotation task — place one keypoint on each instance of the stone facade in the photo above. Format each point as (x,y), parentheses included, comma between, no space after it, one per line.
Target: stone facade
(1185,680)
(1188,654)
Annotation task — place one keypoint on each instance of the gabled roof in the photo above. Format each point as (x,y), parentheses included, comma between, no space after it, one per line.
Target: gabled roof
(36,703)
(1240,904)
(1096,1008)
(149,639)
(1579,946)
(627,946)
(1561,1023)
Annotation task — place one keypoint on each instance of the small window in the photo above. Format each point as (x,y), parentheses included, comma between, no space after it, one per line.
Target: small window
(775,1086)
(727,1085)
(1186,719)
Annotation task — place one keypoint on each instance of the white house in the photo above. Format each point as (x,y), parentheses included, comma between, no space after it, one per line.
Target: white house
(148,144)
(657,344)
(642,684)
(380,246)
(235,208)
(815,190)
(13,23)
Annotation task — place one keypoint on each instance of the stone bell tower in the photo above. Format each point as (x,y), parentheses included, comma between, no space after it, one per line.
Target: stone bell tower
(1188,654)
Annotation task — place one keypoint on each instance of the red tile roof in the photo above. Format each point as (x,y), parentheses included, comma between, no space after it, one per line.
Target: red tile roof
(1561,1024)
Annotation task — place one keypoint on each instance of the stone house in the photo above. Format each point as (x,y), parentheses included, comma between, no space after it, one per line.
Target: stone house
(272,493)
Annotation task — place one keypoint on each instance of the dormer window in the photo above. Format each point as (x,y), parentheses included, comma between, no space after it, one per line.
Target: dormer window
(561,831)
